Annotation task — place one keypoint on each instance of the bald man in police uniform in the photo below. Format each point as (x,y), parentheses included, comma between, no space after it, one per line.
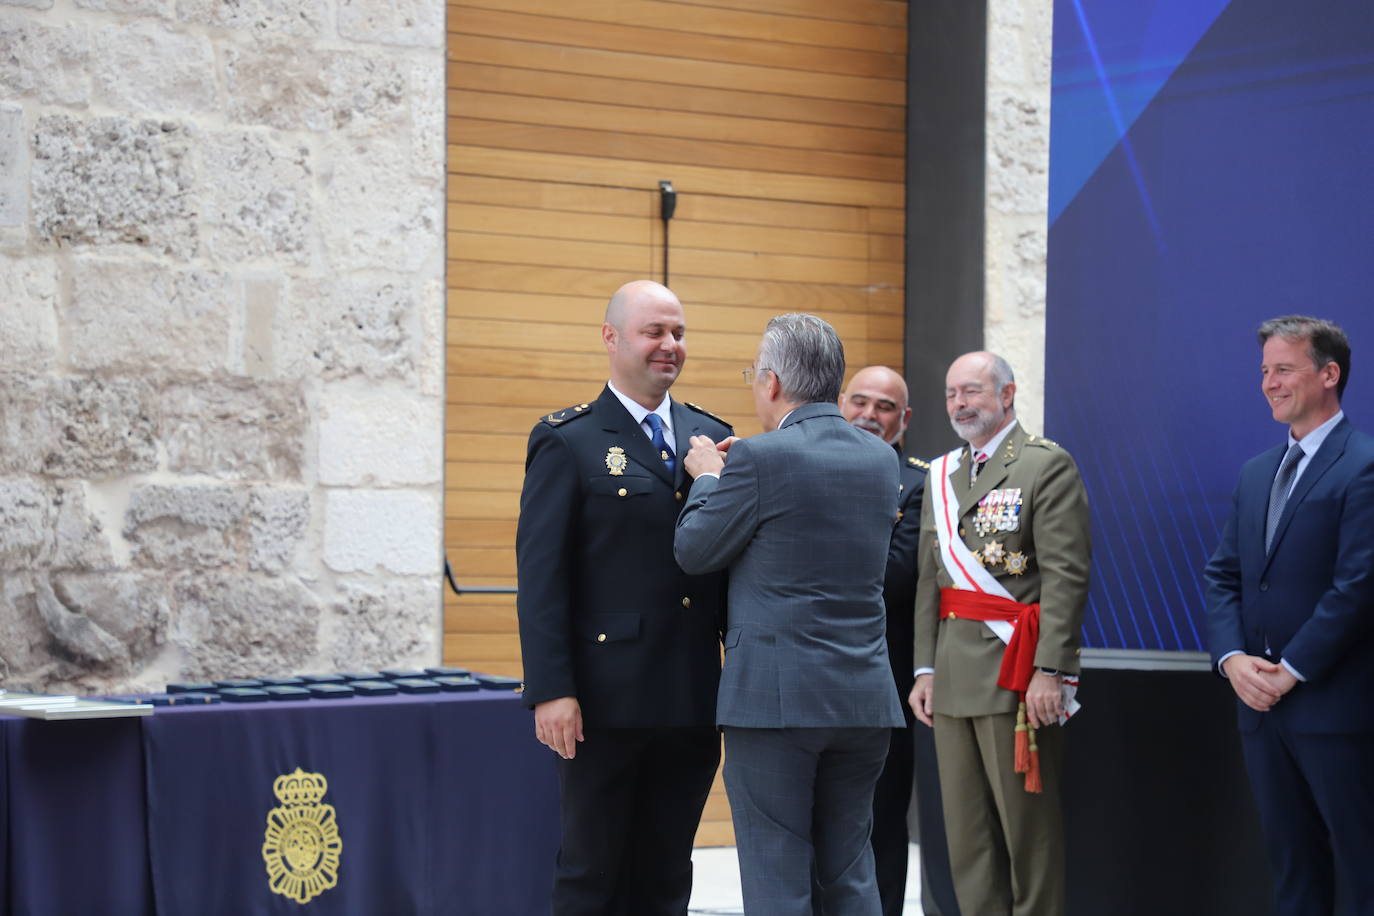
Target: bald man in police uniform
(1004,539)
(621,648)
(876,400)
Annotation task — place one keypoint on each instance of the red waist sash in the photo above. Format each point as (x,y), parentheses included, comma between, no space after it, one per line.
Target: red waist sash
(1018,661)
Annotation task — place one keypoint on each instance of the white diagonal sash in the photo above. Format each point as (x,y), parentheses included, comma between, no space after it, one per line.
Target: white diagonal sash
(963,568)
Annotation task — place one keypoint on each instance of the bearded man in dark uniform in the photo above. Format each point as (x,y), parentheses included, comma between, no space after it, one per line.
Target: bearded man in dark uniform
(621,648)
(876,400)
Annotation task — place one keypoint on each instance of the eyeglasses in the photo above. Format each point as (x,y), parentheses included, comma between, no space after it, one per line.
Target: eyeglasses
(751,372)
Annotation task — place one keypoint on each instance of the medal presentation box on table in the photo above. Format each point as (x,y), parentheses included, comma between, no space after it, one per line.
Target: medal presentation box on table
(339,686)
(60,708)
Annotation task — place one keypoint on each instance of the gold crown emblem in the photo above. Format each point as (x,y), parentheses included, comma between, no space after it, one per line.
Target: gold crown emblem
(300,788)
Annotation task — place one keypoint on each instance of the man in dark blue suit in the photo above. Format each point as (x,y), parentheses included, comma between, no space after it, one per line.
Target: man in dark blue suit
(1290,594)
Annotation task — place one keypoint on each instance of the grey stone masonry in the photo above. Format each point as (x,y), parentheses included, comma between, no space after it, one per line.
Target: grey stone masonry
(382,623)
(77,426)
(401,22)
(149,67)
(186,526)
(114,181)
(14,191)
(261,203)
(28,322)
(300,18)
(216,527)
(1017,207)
(237,625)
(235,428)
(221,338)
(286,86)
(117,308)
(48,63)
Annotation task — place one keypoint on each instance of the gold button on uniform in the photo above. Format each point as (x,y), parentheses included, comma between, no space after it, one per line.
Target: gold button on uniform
(678,496)
(600,637)
(961,531)
(623,492)
(686,602)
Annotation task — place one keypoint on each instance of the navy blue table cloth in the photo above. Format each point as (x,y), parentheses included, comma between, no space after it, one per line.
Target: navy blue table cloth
(403,804)
(75,818)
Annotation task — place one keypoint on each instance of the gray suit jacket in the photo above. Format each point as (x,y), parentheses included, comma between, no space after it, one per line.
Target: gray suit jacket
(802,517)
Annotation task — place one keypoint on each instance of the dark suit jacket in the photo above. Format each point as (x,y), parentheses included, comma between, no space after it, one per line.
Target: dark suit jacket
(802,517)
(1311,601)
(899,583)
(606,615)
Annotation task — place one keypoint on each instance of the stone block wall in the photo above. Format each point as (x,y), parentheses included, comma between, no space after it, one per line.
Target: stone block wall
(1017,206)
(221,338)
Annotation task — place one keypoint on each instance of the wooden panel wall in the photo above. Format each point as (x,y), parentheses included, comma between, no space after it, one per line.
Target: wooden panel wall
(781,125)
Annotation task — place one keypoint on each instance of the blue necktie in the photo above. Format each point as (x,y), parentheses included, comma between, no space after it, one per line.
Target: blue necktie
(656,424)
(1278,494)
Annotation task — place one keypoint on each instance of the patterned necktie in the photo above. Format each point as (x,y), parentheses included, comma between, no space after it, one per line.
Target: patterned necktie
(656,424)
(977,468)
(1278,494)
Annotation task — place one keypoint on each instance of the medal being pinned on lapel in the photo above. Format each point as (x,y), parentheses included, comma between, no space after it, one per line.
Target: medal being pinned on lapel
(616,462)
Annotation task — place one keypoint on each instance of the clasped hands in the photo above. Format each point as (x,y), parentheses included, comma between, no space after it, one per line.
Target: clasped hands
(1258,682)
(706,455)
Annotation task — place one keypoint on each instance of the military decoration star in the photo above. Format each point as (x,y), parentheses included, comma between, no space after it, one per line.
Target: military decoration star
(616,462)
(993,552)
(1017,563)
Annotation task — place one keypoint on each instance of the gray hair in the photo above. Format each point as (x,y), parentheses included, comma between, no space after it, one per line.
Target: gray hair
(806,355)
(1002,376)
(1326,342)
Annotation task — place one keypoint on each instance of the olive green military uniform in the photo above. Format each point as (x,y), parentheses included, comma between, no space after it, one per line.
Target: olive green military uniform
(1006,845)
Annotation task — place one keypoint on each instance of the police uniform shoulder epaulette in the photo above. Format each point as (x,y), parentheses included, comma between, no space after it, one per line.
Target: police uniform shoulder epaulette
(918,463)
(702,410)
(1042,442)
(559,417)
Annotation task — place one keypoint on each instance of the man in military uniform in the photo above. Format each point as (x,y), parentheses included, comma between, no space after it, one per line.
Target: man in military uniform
(1004,554)
(876,400)
(621,648)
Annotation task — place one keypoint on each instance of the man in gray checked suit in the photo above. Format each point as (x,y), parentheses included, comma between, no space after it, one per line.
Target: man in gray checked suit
(801,516)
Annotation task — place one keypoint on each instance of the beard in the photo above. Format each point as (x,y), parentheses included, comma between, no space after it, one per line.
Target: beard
(869,426)
(981,425)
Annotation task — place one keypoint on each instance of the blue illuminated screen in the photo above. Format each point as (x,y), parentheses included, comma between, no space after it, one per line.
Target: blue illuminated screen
(1210,168)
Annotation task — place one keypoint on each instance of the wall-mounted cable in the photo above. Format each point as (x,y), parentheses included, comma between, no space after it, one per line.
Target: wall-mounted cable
(667,203)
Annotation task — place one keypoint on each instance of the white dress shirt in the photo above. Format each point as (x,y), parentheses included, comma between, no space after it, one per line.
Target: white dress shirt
(639,412)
